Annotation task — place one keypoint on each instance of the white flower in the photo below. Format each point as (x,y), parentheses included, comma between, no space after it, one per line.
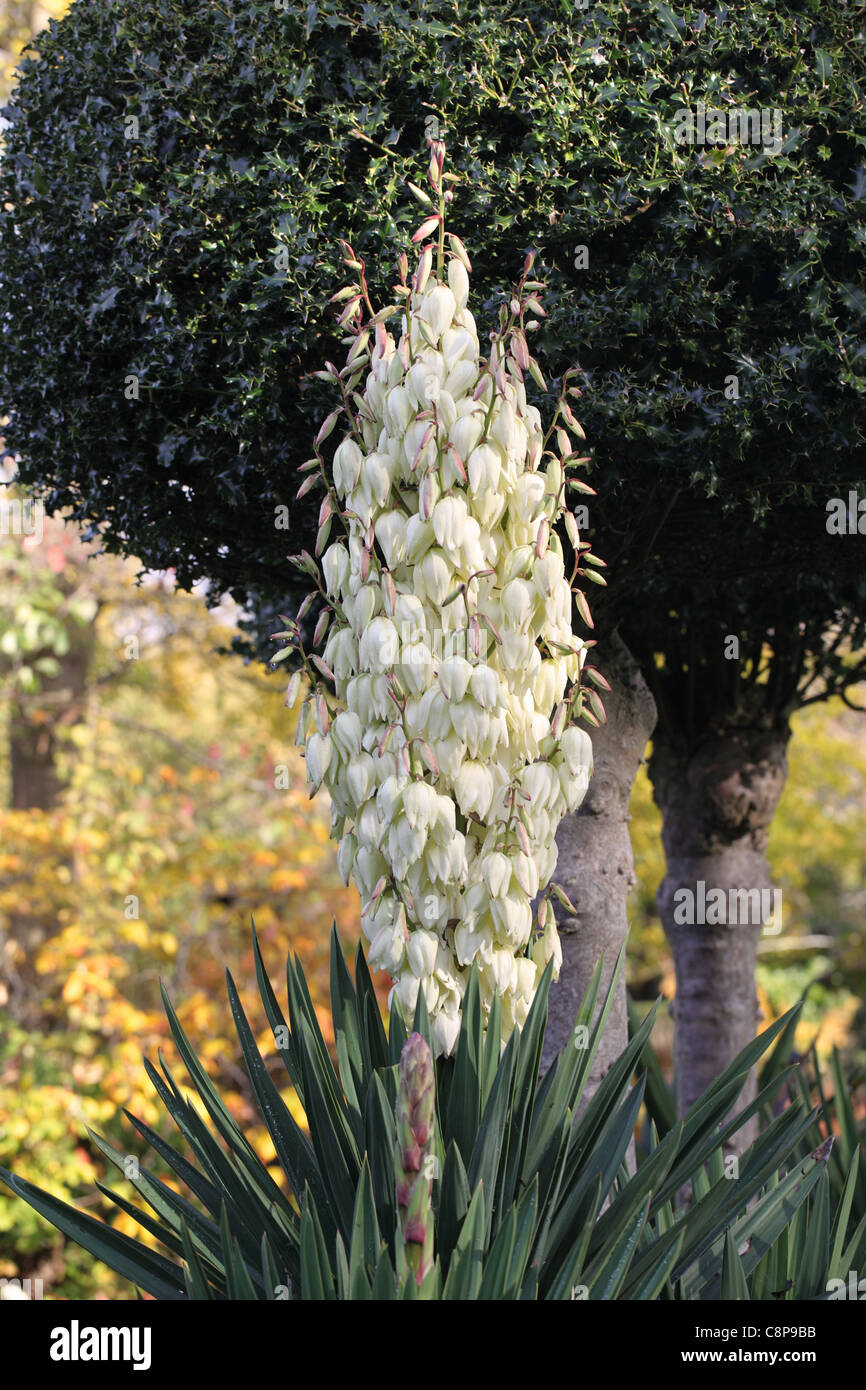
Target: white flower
(450,518)
(576,746)
(436,576)
(443,710)
(484,468)
(379,645)
(346,734)
(347,466)
(421,951)
(318,755)
(335,568)
(473,789)
(438,309)
(386,950)
(459,282)
(390,532)
(496,869)
(421,805)
(454,676)
(346,851)
(518,602)
(445,1027)
(376,478)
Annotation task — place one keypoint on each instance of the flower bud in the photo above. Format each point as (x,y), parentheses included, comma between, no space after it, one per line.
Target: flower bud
(459,282)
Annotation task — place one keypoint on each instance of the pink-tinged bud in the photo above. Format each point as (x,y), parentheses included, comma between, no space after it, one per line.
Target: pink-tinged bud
(520,349)
(415,1157)
(425,440)
(426,498)
(428,226)
(423,271)
(460,250)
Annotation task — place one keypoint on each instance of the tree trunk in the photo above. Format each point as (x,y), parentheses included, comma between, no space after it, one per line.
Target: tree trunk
(596,865)
(36,785)
(717,803)
(34,721)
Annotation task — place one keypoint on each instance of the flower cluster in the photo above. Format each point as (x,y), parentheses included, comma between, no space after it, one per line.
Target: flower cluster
(442,719)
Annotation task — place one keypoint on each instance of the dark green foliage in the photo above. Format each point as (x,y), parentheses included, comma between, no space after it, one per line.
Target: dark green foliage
(531,1199)
(263,128)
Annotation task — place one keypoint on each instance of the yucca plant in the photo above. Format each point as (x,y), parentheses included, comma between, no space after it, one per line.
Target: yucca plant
(826,1238)
(476,1180)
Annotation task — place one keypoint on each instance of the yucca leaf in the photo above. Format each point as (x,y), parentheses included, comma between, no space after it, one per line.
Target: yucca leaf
(454,1196)
(129,1258)
(464,1101)
(760,1226)
(317,1277)
(384,1280)
(780,1056)
(232,1178)
(341,1265)
(702,1136)
(557,1282)
(221,1117)
(492,1049)
(366,1241)
(527,1217)
(272,1280)
(848,1137)
(656,1262)
(601,1163)
(333,1142)
(311,1050)
(812,1272)
(842,1217)
(174,1209)
(421,1021)
(660,1100)
(375,1044)
(285,1043)
(164,1234)
(550,1176)
(565,1079)
(643,1183)
(196,1280)
(466,1271)
(293,1149)
(239,1286)
(493,1132)
(198,1184)
(608,1096)
(607,1272)
(734,1284)
(381,1140)
(739,1068)
(495,1281)
(523,1093)
(855,1252)
(397,1034)
(344,1012)
(709,1217)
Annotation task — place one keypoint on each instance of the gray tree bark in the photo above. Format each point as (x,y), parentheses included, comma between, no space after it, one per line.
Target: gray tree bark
(717,803)
(596,865)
